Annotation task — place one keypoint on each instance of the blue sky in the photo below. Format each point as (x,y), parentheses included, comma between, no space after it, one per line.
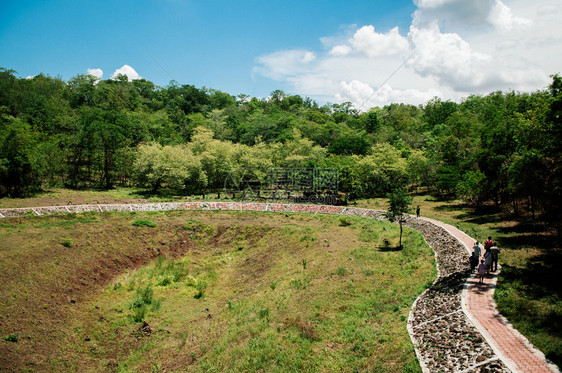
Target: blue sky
(332,51)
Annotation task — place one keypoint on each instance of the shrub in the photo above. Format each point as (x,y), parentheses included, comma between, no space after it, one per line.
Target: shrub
(66,242)
(344,222)
(12,338)
(165,281)
(201,286)
(143,298)
(146,294)
(139,313)
(144,223)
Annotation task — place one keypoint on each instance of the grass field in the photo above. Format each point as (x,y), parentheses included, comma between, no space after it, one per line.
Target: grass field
(218,291)
(529,291)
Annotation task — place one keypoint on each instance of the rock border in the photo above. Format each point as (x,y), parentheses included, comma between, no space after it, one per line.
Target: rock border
(443,336)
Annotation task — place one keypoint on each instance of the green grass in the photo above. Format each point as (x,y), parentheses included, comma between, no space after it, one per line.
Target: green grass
(278,304)
(144,223)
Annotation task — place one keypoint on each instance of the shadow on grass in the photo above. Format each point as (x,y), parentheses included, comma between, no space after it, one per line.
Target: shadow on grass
(525,227)
(164,193)
(542,242)
(539,285)
(541,276)
(385,249)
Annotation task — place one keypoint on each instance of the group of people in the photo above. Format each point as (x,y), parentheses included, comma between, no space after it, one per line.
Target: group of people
(485,262)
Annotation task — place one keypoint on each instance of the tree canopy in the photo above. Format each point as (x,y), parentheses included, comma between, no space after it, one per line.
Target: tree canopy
(501,148)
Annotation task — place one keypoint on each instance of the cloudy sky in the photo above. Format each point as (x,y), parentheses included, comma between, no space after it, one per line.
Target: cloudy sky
(368,52)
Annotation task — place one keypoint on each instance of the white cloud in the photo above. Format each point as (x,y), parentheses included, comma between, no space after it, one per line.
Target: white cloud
(283,64)
(459,48)
(363,96)
(308,57)
(372,44)
(447,57)
(501,17)
(98,73)
(340,50)
(128,71)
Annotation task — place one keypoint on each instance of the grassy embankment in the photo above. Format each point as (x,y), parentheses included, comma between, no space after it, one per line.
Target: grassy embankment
(529,290)
(219,291)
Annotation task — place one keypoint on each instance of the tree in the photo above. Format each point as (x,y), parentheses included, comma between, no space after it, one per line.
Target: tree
(399,204)
(349,144)
(18,169)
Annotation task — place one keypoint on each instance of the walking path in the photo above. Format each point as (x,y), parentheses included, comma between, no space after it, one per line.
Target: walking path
(511,346)
(477,303)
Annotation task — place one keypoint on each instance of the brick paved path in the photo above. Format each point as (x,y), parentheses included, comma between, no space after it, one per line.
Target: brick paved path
(512,347)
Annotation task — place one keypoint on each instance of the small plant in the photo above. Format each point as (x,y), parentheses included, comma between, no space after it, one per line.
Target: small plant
(304,262)
(191,281)
(296,283)
(273,285)
(201,286)
(300,284)
(341,271)
(143,298)
(368,272)
(165,281)
(263,313)
(146,294)
(139,313)
(344,222)
(156,304)
(12,338)
(66,242)
(144,223)
(29,214)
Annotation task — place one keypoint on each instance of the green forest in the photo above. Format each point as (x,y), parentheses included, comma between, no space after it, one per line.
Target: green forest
(502,150)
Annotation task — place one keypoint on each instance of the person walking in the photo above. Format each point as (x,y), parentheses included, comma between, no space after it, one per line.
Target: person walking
(473,262)
(481,271)
(418,211)
(495,253)
(488,261)
(489,243)
(476,248)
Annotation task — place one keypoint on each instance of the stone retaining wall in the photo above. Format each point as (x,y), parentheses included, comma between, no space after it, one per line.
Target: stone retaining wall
(444,338)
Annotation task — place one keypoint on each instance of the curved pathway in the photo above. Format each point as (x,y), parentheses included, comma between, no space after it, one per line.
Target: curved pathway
(508,345)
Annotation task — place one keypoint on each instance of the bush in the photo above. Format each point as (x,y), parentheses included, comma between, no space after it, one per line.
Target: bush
(12,338)
(344,222)
(144,223)
(201,286)
(66,242)
(144,297)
